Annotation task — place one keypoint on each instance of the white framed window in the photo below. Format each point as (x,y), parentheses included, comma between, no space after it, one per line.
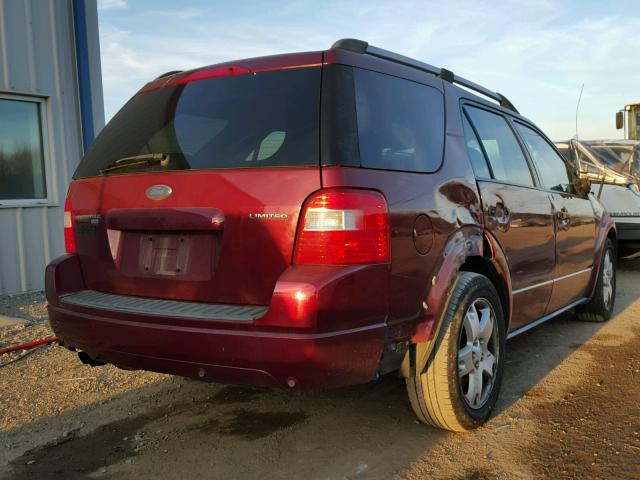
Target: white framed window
(23,151)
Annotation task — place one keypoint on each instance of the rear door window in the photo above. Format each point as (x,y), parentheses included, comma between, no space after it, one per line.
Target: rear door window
(400,123)
(551,166)
(268,119)
(501,147)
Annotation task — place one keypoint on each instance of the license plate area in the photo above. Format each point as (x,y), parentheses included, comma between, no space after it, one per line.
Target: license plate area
(183,255)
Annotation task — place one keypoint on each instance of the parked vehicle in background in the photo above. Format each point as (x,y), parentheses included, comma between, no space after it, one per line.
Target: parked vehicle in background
(628,119)
(620,155)
(318,219)
(613,168)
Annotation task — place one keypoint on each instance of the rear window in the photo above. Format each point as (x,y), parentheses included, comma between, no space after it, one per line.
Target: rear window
(268,119)
(400,123)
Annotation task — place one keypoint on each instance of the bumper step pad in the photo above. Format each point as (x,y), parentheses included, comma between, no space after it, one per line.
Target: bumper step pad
(165,308)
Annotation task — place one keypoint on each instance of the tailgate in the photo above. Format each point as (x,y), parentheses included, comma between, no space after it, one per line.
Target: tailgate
(193,190)
(221,236)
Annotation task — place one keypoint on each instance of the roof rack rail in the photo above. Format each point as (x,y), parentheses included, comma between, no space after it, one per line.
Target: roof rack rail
(360,46)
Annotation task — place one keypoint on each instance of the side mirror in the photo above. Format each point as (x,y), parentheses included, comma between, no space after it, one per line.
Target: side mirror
(619,120)
(582,185)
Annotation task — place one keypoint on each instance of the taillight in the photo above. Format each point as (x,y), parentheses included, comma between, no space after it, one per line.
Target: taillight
(343,226)
(69,228)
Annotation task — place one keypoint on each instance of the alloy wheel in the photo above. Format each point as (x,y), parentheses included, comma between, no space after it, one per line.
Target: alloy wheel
(478,353)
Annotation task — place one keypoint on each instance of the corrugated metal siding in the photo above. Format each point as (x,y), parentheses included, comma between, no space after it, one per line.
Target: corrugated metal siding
(37,57)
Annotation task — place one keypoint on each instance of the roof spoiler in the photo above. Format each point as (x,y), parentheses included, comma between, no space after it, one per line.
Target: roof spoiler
(168,74)
(360,46)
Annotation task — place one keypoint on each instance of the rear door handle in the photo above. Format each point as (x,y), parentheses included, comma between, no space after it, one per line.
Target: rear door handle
(499,213)
(563,215)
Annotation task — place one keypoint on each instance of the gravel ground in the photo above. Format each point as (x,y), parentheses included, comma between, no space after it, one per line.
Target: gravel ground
(569,408)
(31,309)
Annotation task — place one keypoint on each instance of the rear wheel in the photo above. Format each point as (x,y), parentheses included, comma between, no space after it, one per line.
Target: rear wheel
(460,384)
(600,307)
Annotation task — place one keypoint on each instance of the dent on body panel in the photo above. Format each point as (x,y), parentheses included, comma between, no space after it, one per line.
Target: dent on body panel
(449,205)
(458,194)
(465,242)
(461,199)
(456,216)
(455,200)
(456,213)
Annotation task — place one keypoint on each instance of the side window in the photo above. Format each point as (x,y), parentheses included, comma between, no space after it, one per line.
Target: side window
(551,166)
(478,162)
(507,160)
(400,123)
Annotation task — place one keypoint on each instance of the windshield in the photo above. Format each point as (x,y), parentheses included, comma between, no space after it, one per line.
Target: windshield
(255,120)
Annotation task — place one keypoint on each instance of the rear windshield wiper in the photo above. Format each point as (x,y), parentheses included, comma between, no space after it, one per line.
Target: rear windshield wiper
(137,161)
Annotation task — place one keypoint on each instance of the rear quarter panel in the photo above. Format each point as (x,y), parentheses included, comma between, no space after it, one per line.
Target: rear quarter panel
(449,197)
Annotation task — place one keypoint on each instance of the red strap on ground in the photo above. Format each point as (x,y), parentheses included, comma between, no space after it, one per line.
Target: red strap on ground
(27,346)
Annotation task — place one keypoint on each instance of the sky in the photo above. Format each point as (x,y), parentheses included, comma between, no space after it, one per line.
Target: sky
(538,53)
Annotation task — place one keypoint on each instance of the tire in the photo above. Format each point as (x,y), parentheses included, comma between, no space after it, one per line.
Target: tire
(443,396)
(600,307)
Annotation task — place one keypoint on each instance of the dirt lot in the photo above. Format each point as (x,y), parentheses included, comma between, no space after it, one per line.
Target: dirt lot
(569,408)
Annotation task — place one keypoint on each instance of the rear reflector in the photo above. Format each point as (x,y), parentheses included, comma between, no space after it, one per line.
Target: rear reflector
(69,228)
(343,226)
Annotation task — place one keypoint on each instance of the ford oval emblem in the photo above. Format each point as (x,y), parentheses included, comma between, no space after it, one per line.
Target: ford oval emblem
(159,192)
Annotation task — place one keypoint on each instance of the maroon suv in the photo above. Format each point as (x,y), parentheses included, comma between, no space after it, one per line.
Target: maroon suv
(319,219)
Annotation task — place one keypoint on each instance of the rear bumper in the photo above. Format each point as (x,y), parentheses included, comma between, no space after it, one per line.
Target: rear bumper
(332,347)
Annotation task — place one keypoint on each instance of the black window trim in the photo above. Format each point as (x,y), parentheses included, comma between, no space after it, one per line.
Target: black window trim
(537,184)
(465,116)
